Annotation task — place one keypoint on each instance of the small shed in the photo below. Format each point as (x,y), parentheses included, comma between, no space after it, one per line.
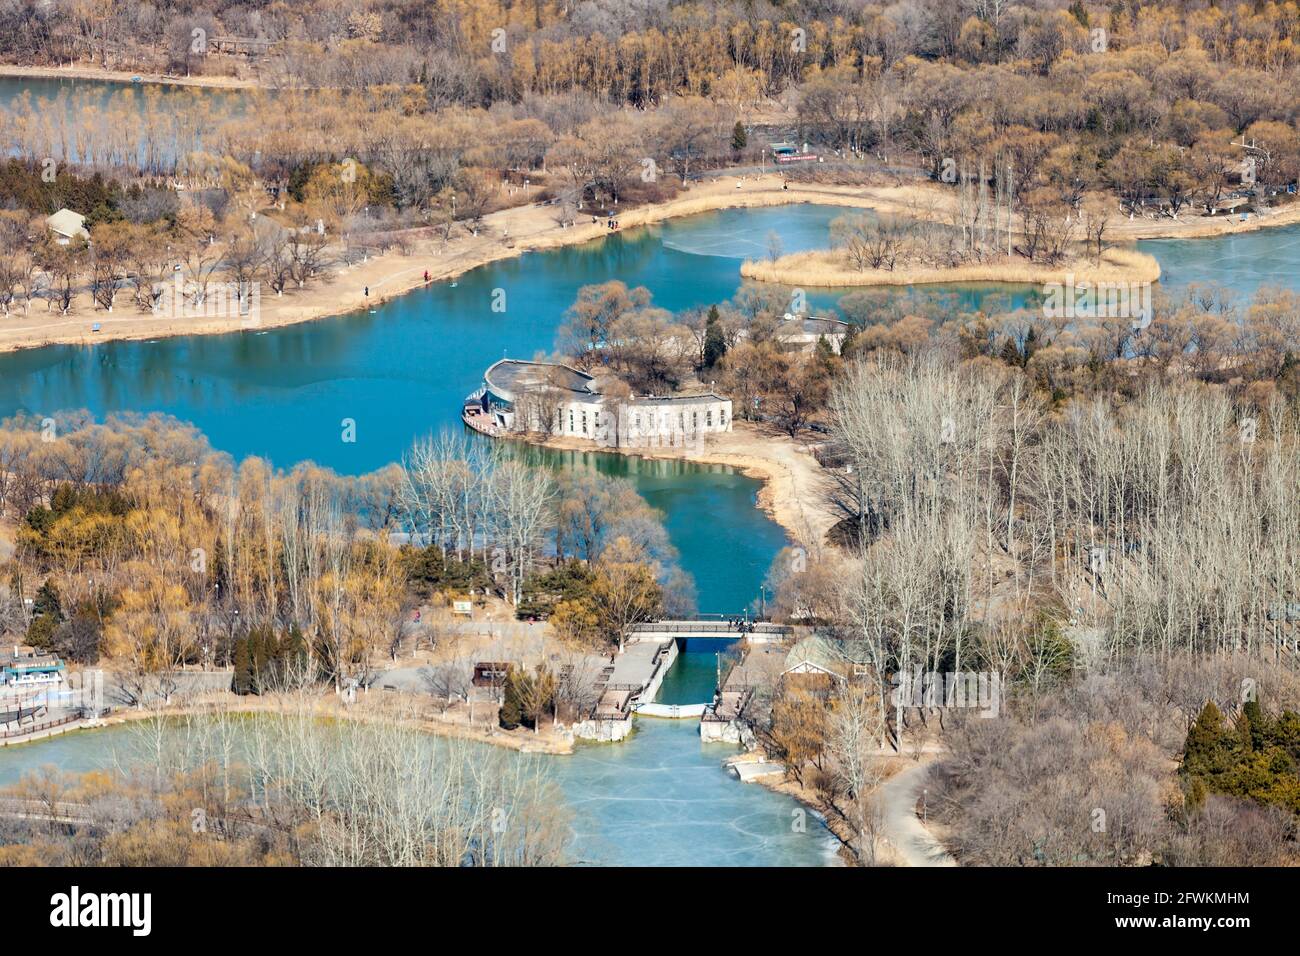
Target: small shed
(67,225)
(490,673)
(816,655)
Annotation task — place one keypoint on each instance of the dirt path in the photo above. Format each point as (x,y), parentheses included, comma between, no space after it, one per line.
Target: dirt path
(910,840)
(83,71)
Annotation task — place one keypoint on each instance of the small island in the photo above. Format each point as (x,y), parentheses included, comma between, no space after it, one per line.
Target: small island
(884,249)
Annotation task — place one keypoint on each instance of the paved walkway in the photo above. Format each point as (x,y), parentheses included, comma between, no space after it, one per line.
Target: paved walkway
(915,845)
(636,665)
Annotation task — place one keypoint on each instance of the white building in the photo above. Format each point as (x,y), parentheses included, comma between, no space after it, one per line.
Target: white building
(67,225)
(518,397)
(802,332)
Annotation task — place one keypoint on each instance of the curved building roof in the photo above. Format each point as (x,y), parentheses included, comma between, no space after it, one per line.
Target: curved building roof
(508,376)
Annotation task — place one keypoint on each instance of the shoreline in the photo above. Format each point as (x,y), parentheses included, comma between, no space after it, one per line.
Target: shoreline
(786,469)
(506,234)
(81,71)
(831,269)
(325,709)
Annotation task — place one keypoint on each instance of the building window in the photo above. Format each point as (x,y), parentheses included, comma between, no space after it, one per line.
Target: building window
(584,423)
(571,421)
(722,416)
(708,418)
(637,422)
(695,419)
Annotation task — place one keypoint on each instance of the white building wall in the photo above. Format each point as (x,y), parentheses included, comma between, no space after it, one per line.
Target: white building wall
(667,424)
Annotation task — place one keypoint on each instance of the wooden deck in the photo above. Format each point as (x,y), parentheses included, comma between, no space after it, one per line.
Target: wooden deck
(480,422)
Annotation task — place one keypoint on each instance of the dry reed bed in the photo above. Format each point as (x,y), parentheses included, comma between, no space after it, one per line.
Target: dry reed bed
(832,268)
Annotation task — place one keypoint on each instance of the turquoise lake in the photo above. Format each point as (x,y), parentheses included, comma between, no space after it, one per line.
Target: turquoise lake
(402,372)
(661,797)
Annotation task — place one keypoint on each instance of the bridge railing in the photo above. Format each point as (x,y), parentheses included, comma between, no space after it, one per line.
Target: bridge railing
(24,730)
(710,627)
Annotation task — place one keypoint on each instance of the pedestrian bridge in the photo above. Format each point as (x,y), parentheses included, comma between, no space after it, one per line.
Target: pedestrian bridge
(670,711)
(711,628)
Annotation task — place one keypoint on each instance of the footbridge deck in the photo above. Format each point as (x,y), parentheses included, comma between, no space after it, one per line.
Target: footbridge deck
(732,630)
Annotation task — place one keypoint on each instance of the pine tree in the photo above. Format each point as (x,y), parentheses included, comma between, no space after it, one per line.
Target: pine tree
(293,650)
(47,615)
(739,138)
(1209,745)
(48,602)
(262,649)
(1258,733)
(511,713)
(715,345)
(241,681)
(1011,353)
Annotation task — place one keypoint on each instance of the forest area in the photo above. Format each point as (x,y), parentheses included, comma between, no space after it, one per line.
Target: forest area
(138,545)
(1100,515)
(1043,125)
(1125,559)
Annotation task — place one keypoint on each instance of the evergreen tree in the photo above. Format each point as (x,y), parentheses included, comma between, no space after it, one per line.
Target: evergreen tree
(511,713)
(1209,745)
(63,500)
(1011,353)
(262,649)
(1256,732)
(241,681)
(1031,345)
(48,602)
(293,650)
(823,353)
(715,345)
(567,581)
(47,615)
(739,138)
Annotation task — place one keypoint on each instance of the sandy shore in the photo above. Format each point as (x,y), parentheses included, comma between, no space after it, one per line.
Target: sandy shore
(82,71)
(791,494)
(506,234)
